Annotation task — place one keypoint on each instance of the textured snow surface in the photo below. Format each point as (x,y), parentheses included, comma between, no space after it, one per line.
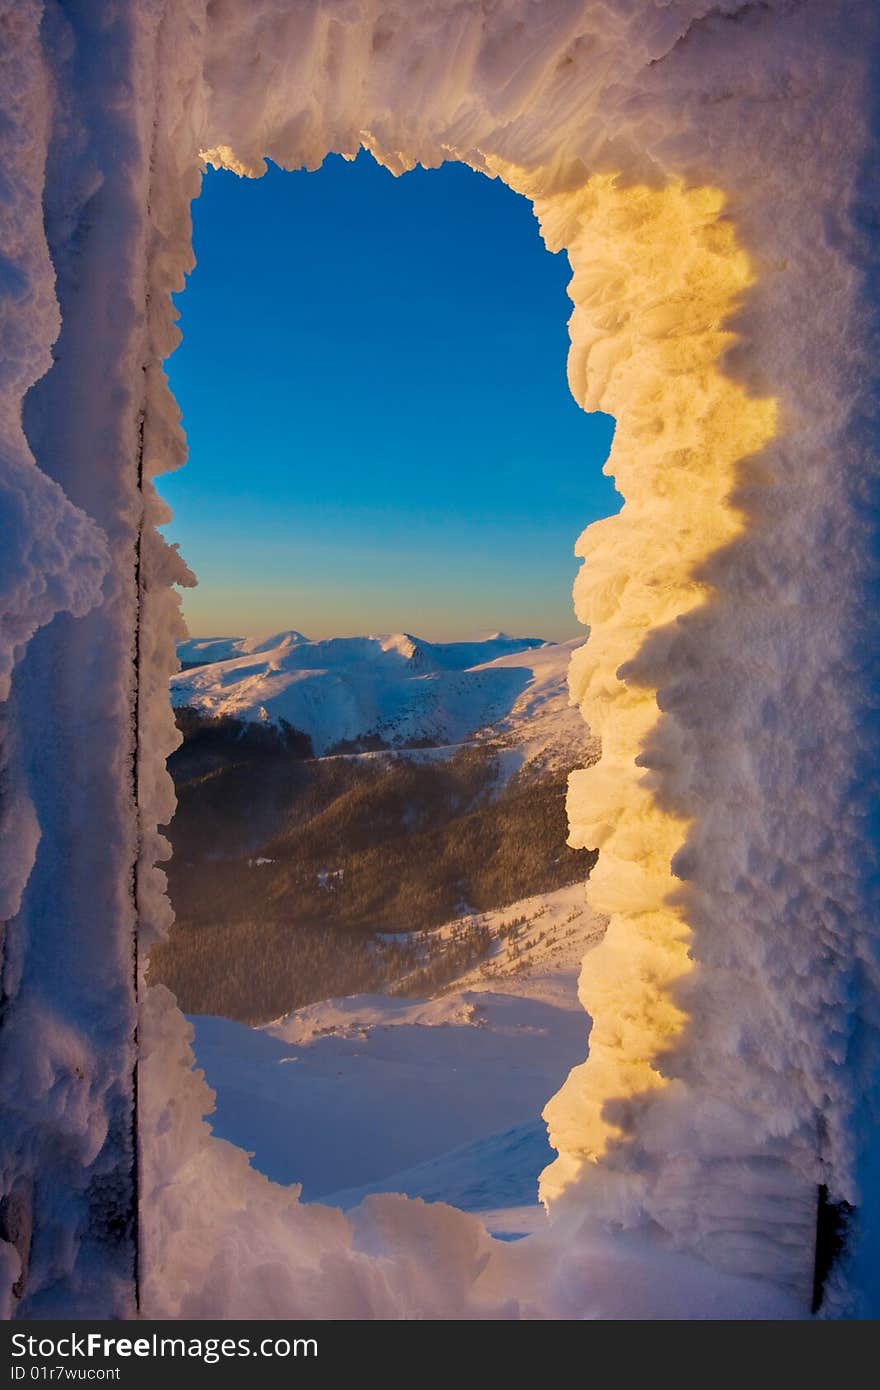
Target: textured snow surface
(705,164)
(399,689)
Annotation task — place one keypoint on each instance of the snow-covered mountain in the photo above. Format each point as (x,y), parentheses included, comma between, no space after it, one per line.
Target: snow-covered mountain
(391,649)
(395,690)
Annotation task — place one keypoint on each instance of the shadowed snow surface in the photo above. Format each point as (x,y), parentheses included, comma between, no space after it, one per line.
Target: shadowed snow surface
(438,1098)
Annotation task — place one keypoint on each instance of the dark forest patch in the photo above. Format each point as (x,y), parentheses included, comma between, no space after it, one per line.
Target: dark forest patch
(287,869)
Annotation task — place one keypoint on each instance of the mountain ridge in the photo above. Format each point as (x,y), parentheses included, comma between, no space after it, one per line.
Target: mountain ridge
(395,690)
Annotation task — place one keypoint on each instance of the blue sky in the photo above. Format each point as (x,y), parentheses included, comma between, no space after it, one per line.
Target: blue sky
(372,379)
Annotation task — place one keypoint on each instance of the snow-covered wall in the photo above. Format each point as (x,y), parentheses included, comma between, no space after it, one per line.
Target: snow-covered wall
(705,163)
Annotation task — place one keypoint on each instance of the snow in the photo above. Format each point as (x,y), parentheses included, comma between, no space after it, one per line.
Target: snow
(397,688)
(706,167)
(437,1099)
(355,1015)
(196,651)
(346,1092)
(341,1112)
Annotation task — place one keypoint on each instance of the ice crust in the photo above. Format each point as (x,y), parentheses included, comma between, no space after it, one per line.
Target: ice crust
(704,164)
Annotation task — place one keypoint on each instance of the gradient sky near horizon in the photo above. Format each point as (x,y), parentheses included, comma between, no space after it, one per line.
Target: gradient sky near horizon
(381,435)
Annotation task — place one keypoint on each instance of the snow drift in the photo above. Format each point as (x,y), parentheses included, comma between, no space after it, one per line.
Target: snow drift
(704,165)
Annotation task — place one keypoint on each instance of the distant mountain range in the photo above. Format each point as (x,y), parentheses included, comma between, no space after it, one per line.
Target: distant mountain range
(391,691)
(392,650)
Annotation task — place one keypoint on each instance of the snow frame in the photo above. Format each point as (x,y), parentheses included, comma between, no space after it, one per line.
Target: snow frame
(703,164)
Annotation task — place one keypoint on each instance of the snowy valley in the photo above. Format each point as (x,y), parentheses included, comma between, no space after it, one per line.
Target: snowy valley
(380,925)
(438,1097)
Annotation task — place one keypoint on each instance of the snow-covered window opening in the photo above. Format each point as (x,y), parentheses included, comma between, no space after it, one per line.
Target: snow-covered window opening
(442,896)
(733,1050)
